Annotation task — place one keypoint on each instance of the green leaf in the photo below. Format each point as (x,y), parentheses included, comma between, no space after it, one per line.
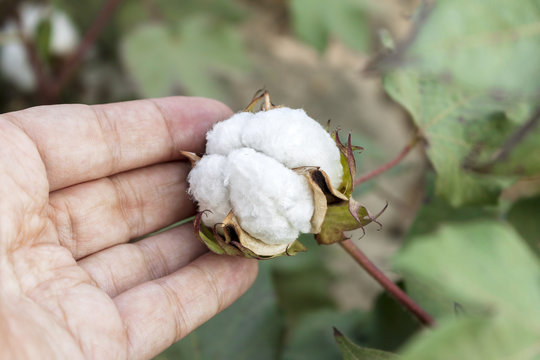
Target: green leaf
(523,158)
(390,324)
(133,13)
(498,338)
(302,282)
(42,39)
(437,211)
(161,60)
(316,21)
(483,266)
(484,44)
(248,329)
(351,351)
(454,122)
(524,215)
(311,338)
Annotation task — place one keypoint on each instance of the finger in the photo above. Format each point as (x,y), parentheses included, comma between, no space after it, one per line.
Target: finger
(124,266)
(160,312)
(98,214)
(79,143)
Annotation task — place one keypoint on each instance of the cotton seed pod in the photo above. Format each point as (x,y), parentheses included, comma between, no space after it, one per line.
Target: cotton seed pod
(268,176)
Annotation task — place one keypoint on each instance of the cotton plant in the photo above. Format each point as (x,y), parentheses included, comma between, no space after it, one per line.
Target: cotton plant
(269,176)
(14,59)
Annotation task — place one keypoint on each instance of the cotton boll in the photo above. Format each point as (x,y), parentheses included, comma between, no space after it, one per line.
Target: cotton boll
(226,136)
(207,186)
(272,203)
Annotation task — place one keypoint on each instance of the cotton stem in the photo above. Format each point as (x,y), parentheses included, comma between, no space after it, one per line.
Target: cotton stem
(386,283)
(389,164)
(90,37)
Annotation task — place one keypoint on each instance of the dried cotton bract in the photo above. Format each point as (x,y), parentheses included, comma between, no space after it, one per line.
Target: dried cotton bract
(266,178)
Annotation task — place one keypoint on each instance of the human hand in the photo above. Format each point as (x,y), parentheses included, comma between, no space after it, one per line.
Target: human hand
(77,183)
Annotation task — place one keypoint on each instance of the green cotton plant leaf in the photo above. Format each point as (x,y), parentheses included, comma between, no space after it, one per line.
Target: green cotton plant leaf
(351,351)
(489,45)
(251,328)
(436,211)
(162,60)
(316,21)
(512,148)
(484,270)
(496,338)
(132,13)
(483,266)
(523,215)
(302,283)
(454,122)
(390,324)
(42,38)
(316,328)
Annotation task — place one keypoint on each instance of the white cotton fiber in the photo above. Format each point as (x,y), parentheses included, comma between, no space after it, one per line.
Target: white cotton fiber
(248,168)
(226,136)
(207,186)
(271,202)
(288,135)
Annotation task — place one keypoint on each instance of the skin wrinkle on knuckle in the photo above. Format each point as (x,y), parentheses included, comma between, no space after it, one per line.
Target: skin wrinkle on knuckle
(110,285)
(105,272)
(156,268)
(109,136)
(174,147)
(64,222)
(93,280)
(122,205)
(212,281)
(182,323)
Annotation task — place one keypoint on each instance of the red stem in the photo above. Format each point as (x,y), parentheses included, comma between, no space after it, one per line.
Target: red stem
(389,164)
(386,283)
(90,37)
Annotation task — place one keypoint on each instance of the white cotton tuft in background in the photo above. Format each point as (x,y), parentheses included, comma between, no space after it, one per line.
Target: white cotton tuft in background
(247,169)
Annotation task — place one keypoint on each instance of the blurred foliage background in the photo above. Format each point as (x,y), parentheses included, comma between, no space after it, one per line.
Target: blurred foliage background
(464,207)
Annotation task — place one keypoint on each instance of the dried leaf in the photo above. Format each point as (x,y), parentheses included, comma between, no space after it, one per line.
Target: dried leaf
(192,157)
(323,194)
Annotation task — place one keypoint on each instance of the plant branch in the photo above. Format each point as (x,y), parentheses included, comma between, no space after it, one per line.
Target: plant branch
(514,140)
(90,37)
(386,283)
(389,164)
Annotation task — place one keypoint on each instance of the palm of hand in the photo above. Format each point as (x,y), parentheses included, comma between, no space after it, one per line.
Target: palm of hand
(75,188)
